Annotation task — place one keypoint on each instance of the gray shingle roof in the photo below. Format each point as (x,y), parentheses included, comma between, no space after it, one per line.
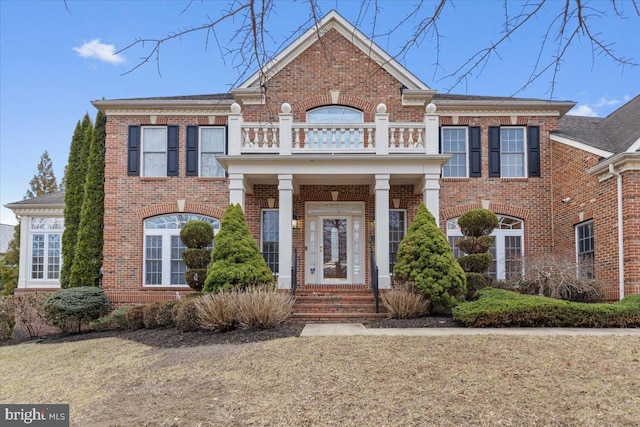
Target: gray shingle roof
(614,133)
(47,199)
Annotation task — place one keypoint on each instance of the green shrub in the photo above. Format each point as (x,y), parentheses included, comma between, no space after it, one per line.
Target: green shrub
(135,318)
(218,312)
(405,303)
(499,308)
(475,245)
(477,222)
(71,307)
(475,282)
(196,234)
(117,319)
(165,315)
(475,263)
(187,318)
(7,319)
(150,313)
(195,278)
(263,307)
(196,258)
(236,261)
(425,262)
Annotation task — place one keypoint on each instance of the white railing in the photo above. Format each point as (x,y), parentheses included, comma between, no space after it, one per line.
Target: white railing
(379,137)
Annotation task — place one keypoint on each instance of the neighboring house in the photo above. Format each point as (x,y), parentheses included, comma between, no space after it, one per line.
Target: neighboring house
(6,234)
(331,149)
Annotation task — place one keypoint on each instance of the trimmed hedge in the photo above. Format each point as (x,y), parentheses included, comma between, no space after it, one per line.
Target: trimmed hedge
(72,307)
(117,319)
(500,308)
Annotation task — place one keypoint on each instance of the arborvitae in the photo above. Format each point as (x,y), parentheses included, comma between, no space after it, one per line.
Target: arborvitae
(44,182)
(87,261)
(74,193)
(426,263)
(236,261)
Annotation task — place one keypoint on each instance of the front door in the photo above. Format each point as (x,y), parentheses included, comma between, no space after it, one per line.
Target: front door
(335,250)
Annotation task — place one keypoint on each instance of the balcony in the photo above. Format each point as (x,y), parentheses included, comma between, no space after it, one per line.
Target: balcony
(286,137)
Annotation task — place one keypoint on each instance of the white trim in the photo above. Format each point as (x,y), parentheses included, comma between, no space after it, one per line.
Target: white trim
(333,20)
(466,150)
(577,240)
(634,147)
(217,153)
(525,151)
(581,146)
(142,151)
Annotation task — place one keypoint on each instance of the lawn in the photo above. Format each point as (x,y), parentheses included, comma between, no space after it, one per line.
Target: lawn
(335,381)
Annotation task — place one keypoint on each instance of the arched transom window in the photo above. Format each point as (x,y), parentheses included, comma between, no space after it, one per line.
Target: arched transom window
(163,265)
(507,249)
(335,114)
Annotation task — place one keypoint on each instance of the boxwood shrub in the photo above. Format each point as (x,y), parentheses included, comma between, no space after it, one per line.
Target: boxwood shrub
(500,308)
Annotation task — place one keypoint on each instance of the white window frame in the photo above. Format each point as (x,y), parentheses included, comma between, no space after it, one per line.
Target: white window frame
(332,118)
(48,227)
(500,234)
(465,154)
(524,152)
(404,233)
(143,152)
(215,153)
(579,263)
(262,241)
(165,234)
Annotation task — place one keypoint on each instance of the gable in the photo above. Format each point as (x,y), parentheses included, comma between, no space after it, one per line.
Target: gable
(333,21)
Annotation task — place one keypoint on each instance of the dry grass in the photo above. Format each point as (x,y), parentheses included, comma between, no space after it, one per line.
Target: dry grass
(336,381)
(403,303)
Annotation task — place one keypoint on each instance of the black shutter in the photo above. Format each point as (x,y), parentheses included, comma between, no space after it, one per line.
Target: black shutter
(172,150)
(133,147)
(494,150)
(533,140)
(192,150)
(475,152)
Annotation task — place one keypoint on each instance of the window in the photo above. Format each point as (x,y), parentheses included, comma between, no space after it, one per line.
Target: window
(335,114)
(46,241)
(397,230)
(585,249)
(154,151)
(512,152)
(212,142)
(163,265)
(507,249)
(343,135)
(454,141)
(270,238)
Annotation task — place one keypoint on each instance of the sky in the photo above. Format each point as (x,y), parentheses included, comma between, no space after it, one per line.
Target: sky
(56,57)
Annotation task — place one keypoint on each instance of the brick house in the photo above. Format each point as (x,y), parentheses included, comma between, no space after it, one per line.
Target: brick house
(331,149)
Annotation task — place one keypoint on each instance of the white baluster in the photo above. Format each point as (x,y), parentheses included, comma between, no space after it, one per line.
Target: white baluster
(392,139)
(265,138)
(296,132)
(401,141)
(410,144)
(352,138)
(370,138)
(256,138)
(420,143)
(246,141)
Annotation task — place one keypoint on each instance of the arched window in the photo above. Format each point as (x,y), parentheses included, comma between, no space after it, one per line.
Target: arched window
(163,265)
(507,249)
(335,114)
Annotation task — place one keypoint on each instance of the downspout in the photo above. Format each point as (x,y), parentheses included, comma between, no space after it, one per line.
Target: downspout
(618,176)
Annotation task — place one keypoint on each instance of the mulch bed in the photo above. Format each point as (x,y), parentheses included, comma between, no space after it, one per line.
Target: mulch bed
(173,338)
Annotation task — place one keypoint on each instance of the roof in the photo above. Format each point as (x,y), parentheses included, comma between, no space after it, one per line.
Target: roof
(50,200)
(615,133)
(6,234)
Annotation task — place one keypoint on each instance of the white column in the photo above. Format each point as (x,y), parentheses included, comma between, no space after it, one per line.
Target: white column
(286,123)
(382,230)
(382,130)
(235,130)
(431,130)
(236,189)
(25,253)
(431,194)
(285,233)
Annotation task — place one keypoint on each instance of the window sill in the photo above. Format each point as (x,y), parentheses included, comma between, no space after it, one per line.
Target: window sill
(456,179)
(166,288)
(211,178)
(153,178)
(515,179)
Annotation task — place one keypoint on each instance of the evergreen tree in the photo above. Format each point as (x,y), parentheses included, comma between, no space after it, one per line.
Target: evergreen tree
(235,261)
(44,182)
(74,194)
(87,261)
(426,263)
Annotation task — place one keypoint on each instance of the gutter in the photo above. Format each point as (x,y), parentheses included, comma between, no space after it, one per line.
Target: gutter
(618,176)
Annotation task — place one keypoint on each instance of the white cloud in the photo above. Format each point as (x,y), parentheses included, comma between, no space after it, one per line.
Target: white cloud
(100,51)
(583,110)
(604,102)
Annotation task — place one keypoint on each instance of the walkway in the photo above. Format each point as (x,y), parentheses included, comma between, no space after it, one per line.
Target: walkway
(344,329)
